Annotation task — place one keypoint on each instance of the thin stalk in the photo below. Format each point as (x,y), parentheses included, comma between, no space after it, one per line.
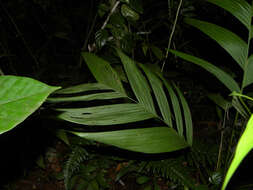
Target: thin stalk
(172,33)
(244,105)
(221,140)
(87,39)
(231,142)
(110,14)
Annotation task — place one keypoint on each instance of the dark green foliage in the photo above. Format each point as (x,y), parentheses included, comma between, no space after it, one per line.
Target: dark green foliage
(172,169)
(73,164)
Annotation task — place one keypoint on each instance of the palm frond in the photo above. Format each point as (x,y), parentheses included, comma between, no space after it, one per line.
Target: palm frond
(228,40)
(238,8)
(148,90)
(225,78)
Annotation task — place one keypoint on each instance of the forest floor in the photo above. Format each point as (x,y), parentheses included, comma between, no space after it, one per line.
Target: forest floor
(48,174)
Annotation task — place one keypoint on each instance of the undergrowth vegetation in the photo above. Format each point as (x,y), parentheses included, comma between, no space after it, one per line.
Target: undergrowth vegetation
(128,90)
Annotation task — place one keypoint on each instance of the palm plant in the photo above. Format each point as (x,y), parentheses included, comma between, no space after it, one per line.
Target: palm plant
(239,50)
(149,88)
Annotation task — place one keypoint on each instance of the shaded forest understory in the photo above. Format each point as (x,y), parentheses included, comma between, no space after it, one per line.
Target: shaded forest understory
(183,67)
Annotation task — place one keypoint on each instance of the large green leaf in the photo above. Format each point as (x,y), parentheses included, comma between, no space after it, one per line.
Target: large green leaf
(105,115)
(20,97)
(239,8)
(103,72)
(226,79)
(232,43)
(248,74)
(147,140)
(138,83)
(245,144)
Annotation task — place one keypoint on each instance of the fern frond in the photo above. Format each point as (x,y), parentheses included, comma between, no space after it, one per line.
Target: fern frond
(77,156)
(173,169)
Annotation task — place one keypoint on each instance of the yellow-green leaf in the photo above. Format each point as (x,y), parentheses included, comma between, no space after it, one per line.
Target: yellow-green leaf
(20,97)
(245,144)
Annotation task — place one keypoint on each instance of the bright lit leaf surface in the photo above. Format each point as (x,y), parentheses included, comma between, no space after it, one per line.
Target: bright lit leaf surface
(244,146)
(20,97)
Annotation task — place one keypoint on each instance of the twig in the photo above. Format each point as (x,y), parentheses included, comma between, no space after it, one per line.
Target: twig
(172,33)
(91,47)
(221,138)
(110,14)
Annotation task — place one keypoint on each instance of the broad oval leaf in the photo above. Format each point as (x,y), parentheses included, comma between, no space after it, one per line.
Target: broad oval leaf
(229,41)
(248,74)
(238,8)
(245,144)
(20,97)
(148,140)
(226,79)
(108,77)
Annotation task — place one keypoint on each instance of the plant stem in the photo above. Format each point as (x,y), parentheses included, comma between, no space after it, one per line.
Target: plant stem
(172,33)
(231,142)
(110,14)
(221,140)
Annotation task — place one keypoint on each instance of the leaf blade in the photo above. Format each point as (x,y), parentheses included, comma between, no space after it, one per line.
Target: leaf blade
(248,76)
(138,83)
(148,140)
(160,95)
(82,88)
(89,97)
(105,115)
(187,116)
(176,108)
(226,79)
(238,8)
(229,41)
(108,77)
(245,144)
(20,97)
